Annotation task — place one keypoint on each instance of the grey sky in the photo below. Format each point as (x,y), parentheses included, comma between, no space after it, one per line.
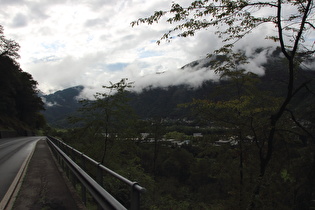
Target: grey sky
(91,42)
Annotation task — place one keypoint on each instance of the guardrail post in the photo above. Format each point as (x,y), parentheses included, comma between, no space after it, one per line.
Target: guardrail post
(83,189)
(99,179)
(135,198)
(74,178)
(100,175)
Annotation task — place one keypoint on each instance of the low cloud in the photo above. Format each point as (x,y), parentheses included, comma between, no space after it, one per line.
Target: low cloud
(49,104)
(162,76)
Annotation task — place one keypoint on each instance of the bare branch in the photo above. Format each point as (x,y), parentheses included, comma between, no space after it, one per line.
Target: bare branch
(299,35)
(300,87)
(310,24)
(280,30)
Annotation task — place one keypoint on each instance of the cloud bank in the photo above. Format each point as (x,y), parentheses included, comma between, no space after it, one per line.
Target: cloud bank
(91,42)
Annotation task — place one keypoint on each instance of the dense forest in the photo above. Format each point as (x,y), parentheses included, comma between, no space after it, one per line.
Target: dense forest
(20,105)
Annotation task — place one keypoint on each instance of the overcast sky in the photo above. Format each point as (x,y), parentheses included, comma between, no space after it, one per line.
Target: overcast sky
(66,43)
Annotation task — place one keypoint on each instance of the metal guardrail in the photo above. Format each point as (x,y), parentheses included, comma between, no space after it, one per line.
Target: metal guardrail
(104,199)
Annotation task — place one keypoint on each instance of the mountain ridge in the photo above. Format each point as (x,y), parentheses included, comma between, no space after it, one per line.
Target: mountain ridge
(162,102)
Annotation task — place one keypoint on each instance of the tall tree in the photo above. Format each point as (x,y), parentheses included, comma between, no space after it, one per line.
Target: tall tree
(234,19)
(19,104)
(108,115)
(241,112)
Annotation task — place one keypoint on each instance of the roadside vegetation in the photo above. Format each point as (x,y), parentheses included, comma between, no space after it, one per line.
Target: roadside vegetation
(20,105)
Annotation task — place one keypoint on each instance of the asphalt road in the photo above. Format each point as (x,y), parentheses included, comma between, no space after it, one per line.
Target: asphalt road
(13,152)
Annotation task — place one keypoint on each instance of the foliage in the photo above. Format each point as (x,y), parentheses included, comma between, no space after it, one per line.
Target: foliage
(234,19)
(19,104)
(108,116)
(251,112)
(8,47)
(208,178)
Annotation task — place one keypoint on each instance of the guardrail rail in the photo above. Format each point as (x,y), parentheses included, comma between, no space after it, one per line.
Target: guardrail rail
(94,186)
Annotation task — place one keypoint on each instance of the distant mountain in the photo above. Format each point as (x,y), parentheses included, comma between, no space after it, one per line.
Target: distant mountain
(60,105)
(150,103)
(162,102)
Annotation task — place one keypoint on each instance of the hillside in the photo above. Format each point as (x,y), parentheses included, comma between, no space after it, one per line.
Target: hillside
(61,104)
(162,102)
(19,102)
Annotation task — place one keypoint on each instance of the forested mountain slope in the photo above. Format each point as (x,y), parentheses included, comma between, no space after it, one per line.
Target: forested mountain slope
(61,104)
(158,102)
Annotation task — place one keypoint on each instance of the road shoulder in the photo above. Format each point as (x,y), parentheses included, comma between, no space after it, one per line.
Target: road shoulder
(43,186)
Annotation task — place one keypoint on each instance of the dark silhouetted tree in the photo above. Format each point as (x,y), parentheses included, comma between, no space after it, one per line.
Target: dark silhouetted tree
(19,104)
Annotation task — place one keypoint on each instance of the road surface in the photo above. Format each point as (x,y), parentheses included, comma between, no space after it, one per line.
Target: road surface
(13,152)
